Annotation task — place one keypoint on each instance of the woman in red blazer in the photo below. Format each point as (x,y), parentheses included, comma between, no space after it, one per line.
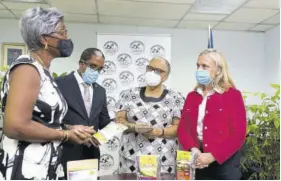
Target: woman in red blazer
(213,122)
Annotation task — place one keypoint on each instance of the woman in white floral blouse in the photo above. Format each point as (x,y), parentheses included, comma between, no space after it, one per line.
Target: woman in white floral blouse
(155,108)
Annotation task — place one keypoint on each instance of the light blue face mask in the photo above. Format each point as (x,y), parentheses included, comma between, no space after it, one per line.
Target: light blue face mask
(203,77)
(90,76)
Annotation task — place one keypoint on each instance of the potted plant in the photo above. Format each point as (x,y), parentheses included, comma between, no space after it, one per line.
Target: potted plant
(55,75)
(262,147)
(3,71)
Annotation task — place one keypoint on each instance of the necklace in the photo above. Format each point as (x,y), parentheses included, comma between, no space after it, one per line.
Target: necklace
(38,59)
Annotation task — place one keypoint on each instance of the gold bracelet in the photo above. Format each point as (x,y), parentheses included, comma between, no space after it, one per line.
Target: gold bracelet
(163,132)
(131,126)
(65,136)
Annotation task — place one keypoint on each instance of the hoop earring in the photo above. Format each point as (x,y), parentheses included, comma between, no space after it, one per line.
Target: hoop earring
(46,46)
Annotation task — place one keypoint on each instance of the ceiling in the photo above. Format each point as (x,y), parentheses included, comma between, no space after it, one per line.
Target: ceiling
(251,15)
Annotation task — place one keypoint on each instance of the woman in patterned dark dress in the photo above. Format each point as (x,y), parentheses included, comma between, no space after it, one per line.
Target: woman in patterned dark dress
(32,104)
(156,106)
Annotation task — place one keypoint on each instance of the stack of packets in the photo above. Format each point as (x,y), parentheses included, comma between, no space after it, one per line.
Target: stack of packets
(82,170)
(108,132)
(148,167)
(185,165)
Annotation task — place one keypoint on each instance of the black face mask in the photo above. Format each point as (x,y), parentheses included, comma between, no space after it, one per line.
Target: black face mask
(65,47)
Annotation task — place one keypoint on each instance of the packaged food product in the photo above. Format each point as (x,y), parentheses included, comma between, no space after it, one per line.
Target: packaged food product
(185,165)
(108,132)
(148,167)
(143,127)
(82,169)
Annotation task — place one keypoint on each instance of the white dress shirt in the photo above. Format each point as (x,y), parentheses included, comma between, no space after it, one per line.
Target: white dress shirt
(202,111)
(81,86)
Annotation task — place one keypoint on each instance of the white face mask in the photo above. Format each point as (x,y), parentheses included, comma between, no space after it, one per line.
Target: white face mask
(152,79)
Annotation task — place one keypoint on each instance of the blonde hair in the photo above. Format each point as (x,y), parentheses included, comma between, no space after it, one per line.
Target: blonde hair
(222,80)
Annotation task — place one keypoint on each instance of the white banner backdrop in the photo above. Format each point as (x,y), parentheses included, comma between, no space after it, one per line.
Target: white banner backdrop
(126,57)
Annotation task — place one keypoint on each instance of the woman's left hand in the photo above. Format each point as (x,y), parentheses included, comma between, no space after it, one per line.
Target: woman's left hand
(204,159)
(155,133)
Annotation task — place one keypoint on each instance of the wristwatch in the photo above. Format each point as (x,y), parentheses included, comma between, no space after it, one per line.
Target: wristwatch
(162,132)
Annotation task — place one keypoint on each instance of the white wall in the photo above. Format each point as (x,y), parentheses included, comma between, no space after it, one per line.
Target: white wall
(272,56)
(244,51)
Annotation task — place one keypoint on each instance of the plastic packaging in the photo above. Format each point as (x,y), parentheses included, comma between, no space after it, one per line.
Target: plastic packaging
(185,165)
(143,127)
(108,132)
(82,169)
(148,167)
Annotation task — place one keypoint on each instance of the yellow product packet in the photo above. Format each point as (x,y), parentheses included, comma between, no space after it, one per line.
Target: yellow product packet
(148,167)
(185,170)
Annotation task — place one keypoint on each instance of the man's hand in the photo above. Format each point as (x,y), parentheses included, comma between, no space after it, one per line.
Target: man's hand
(93,141)
(83,132)
(86,133)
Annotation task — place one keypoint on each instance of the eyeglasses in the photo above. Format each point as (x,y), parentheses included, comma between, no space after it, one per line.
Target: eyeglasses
(61,32)
(93,66)
(156,70)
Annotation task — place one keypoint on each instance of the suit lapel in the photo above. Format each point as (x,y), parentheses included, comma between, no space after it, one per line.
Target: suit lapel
(79,99)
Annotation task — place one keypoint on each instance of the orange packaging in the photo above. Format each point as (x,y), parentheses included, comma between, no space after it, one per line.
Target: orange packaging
(184,165)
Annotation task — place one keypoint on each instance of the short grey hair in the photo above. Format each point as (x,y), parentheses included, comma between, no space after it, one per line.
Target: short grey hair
(166,62)
(37,22)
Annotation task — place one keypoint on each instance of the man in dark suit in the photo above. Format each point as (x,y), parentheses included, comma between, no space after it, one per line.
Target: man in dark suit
(87,105)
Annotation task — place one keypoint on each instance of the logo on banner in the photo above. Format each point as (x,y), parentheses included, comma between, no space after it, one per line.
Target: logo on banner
(109,68)
(110,103)
(113,144)
(157,50)
(126,78)
(106,162)
(141,64)
(141,80)
(110,85)
(137,47)
(122,93)
(116,172)
(110,47)
(124,60)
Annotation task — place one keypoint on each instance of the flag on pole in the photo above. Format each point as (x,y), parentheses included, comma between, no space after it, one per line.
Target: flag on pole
(210,39)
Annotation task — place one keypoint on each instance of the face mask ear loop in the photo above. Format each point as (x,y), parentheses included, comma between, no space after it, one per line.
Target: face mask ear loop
(218,69)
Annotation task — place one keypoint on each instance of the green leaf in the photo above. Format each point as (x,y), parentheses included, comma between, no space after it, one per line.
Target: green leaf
(55,75)
(275,86)
(256,94)
(276,123)
(263,95)
(252,128)
(277,94)
(265,143)
(63,74)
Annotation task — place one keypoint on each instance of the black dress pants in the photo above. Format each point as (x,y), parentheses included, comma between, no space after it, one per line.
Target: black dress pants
(229,170)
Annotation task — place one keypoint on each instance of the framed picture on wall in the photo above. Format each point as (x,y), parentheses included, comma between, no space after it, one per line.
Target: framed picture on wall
(11,51)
